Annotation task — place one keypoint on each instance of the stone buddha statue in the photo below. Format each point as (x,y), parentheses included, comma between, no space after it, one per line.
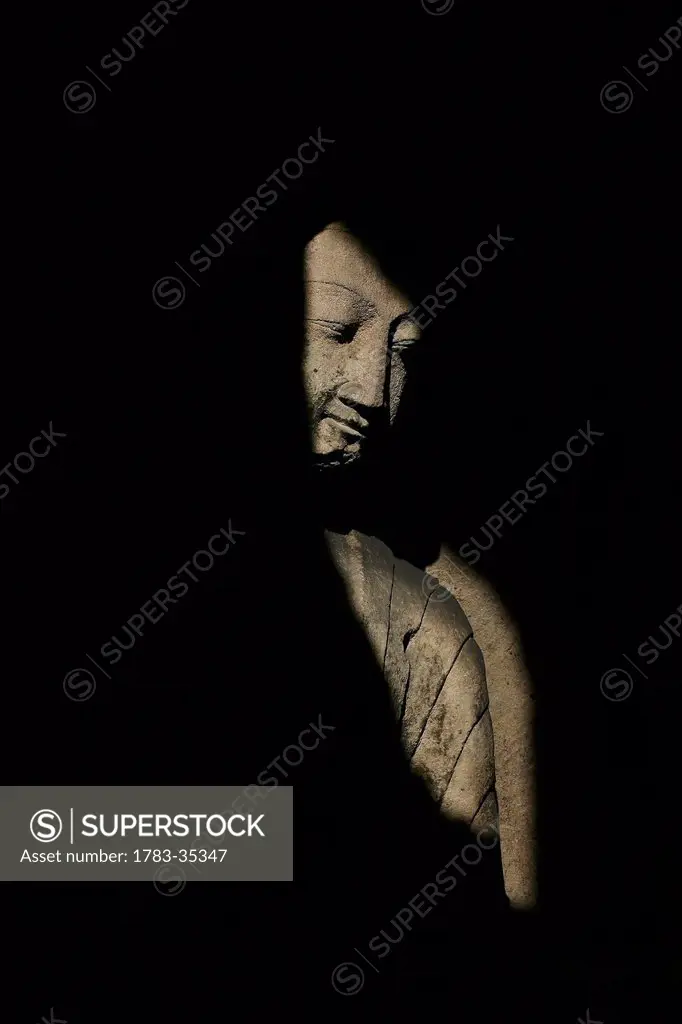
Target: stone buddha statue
(359,337)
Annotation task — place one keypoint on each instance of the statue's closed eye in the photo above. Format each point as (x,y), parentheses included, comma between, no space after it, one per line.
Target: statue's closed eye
(403,344)
(335,331)
(406,334)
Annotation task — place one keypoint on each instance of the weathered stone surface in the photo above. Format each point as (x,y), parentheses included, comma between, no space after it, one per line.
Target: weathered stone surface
(512,713)
(367,571)
(435,672)
(358,329)
(408,605)
(431,653)
(452,730)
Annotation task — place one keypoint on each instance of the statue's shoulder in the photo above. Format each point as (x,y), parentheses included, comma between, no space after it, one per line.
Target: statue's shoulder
(377,580)
(424,643)
(386,591)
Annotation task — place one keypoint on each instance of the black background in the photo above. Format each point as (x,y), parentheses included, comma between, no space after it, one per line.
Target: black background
(179,420)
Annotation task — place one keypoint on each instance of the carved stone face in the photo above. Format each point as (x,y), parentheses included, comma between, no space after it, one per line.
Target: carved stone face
(358,328)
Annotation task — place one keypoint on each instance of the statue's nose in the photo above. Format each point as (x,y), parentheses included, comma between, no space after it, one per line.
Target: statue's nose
(365,384)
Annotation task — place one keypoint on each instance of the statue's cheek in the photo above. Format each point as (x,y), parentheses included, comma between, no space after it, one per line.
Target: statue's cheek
(325,367)
(316,368)
(396,384)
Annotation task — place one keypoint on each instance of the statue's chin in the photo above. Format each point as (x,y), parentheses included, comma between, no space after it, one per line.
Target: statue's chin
(333,447)
(335,462)
(330,460)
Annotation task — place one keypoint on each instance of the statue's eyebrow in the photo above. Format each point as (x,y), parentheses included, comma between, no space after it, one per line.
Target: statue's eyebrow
(335,284)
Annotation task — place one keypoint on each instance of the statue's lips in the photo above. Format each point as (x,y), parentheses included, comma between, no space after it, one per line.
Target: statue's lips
(346,428)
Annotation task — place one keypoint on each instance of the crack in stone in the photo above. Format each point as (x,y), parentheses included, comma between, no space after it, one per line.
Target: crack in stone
(404,704)
(461,751)
(489,790)
(438,692)
(411,634)
(388,627)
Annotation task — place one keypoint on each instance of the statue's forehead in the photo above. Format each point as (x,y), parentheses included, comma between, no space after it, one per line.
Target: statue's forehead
(338,257)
